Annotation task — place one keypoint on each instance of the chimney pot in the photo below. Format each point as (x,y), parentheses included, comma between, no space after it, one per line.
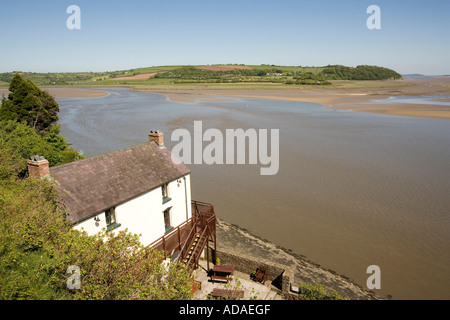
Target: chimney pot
(157,136)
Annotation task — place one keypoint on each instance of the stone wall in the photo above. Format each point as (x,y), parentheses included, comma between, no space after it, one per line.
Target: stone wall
(275,274)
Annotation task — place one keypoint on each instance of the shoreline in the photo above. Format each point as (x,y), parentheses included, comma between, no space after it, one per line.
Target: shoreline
(355,99)
(240,242)
(334,98)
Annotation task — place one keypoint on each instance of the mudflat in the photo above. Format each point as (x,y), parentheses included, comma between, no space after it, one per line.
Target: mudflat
(342,95)
(337,97)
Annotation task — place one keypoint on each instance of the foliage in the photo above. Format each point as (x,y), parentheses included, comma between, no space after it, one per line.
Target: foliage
(117,266)
(193,73)
(26,141)
(29,224)
(317,292)
(11,161)
(308,78)
(37,245)
(51,79)
(29,104)
(26,127)
(359,73)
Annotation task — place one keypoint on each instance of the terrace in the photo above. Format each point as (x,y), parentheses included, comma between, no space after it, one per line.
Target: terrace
(240,284)
(187,242)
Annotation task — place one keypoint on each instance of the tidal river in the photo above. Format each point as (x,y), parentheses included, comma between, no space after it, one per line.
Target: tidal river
(353,189)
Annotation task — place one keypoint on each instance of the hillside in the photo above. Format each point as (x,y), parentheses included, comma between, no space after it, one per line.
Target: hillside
(230,73)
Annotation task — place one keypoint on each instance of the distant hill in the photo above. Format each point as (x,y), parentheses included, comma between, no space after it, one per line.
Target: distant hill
(220,73)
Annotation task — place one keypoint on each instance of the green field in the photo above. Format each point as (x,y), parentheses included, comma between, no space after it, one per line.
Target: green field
(195,77)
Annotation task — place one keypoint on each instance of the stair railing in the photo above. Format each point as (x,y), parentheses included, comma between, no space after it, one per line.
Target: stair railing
(188,241)
(201,244)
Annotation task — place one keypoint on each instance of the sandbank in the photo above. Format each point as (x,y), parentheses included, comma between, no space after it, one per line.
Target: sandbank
(349,98)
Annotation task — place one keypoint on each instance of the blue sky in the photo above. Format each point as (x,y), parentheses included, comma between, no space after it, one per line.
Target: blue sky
(116,35)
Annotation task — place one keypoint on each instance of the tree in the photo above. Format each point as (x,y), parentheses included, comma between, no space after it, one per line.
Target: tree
(28,103)
(359,73)
(26,142)
(26,126)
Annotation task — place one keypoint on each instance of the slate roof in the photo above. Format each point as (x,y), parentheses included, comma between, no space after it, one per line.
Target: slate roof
(88,187)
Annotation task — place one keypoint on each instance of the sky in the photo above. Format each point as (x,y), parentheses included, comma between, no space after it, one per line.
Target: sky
(119,35)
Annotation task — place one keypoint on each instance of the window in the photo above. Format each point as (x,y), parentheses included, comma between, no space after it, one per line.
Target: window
(167,225)
(165,193)
(111,222)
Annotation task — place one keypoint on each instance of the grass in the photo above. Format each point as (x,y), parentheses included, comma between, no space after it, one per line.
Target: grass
(167,84)
(210,86)
(104,79)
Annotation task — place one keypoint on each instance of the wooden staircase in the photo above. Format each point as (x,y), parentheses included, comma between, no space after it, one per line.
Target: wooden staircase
(192,249)
(195,249)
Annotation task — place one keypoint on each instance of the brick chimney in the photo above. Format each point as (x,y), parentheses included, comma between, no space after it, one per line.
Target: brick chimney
(156,136)
(38,167)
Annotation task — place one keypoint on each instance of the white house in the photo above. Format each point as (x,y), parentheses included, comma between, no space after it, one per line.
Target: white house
(139,189)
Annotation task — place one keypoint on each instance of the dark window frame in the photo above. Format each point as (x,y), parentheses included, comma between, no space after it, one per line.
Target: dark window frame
(111,220)
(165,193)
(167,219)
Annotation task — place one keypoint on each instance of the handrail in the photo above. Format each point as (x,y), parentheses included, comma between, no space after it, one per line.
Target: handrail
(207,210)
(204,239)
(200,241)
(208,230)
(169,234)
(186,243)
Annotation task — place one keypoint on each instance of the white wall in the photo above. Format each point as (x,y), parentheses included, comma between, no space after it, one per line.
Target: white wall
(91,226)
(144,214)
(180,212)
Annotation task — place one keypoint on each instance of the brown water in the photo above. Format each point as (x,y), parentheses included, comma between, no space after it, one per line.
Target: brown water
(353,189)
